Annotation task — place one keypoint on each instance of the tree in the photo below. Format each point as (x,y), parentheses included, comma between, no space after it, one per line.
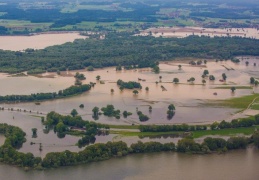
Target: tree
(118,68)
(160,77)
(205,72)
(205,61)
(34,132)
(175,80)
(171,111)
(156,69)
(150,108)
(224,76)
(211,78)
(147,89)
(180,66)
(74,113)
(98,77)
(203,81)
(90,68)
(255,138)
(252,80)
(233,89)
(81,105)
(112,91)
(171,107)
(95,111)
(135,92)
(191,80)
(247,63)
(121,88)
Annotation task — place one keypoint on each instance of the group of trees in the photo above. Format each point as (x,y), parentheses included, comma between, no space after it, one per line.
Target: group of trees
(63,124)
(142,117)
(235,123)
(110,111)
(253,81)
(212,144)
(72,90)
(97,152)
(15,137)
(170,111)
(125,50)
(128,85)
(167,128)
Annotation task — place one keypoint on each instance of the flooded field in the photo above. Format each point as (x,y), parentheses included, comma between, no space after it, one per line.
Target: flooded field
(189,99)
(39,41)
(182,32)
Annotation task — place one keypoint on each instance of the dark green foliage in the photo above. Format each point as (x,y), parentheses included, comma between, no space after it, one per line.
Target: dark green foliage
(129,85)
(110,111)
(237,143)
(188,145)
(255,139)
(72,90)
(74,113)
(80,76)
(15,137)
(142,117)
(126,50)
(215,143)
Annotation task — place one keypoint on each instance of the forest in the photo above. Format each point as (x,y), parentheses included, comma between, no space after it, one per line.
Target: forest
(125,50)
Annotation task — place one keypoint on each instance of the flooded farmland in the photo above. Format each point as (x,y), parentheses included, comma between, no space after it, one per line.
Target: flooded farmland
(189,98)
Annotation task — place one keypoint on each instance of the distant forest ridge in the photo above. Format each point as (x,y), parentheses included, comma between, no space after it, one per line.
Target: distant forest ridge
(124,49)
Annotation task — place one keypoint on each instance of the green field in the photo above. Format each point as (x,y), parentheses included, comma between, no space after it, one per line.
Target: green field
(239,103)
(225,132)
(229,87)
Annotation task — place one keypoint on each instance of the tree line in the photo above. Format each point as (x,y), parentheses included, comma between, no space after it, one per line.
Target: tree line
(72,90)
(235,123)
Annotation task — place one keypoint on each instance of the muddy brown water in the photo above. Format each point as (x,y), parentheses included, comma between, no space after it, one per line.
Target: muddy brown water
(39,41)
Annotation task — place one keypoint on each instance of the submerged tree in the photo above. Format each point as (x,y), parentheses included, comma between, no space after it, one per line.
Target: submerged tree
(34,132)
(95,111)
(176,80)
(135,92)
(233,89)
(224,76)
(74,112)
(180,66)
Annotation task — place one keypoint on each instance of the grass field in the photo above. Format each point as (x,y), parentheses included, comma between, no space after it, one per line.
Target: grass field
(239,103)
(144,134)
(225,132)
(229,87)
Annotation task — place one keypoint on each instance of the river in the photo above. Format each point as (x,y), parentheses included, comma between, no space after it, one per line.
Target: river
(235,165)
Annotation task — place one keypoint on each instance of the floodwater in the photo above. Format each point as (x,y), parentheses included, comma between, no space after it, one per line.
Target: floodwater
(39,41)
(234,165)
(182,32)
(50,141)
(188,99)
